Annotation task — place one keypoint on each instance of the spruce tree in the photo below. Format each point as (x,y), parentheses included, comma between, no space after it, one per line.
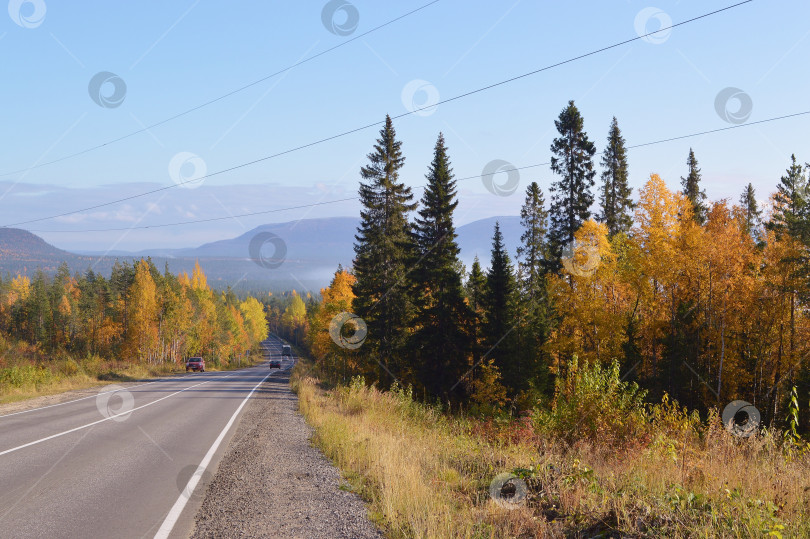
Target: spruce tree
(571,197)
(751,212)
(532,254)
(691,189)
(476,292)
(791,203)
(500,314)
(532,258)
(383,251)
(439,342)
(615,197)
(790,221)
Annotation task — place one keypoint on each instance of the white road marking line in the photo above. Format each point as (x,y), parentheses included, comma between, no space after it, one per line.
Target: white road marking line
(94,395)
(180,504)
(51,437)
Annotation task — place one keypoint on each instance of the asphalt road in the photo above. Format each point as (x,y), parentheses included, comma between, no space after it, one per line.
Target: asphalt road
(130,462)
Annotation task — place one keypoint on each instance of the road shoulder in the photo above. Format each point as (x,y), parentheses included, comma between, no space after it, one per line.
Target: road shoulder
(272,482)
(42,401)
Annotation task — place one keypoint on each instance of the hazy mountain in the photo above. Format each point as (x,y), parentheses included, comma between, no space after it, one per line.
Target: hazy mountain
(313,241)
(311,250)
(329,241)
(18,244)
(22,252)
(476,238)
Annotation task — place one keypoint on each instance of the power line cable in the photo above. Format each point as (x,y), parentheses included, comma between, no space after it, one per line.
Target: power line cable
(327,202)
(374,124)
(747,124)
(216,99)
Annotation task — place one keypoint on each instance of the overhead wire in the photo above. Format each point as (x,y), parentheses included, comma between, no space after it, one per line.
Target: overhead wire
(348,199)
(219,98)
(374,124)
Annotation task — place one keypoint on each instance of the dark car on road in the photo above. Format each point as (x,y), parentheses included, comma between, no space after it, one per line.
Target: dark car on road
(275,363)
(195,364)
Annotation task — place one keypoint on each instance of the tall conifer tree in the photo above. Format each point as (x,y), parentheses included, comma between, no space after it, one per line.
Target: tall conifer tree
(751,212)
(476,292)
(532,259)
(791,203)
(691,189)
(500,324)
(572,160)
(533,253)
(383,250)
(615,196)
(439,342)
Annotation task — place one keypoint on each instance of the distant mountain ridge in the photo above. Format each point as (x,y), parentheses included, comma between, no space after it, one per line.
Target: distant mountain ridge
(314,248)
(21,245)
(320,240)
(22,252)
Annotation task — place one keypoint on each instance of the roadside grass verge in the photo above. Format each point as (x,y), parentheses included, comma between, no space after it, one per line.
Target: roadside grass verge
(27,379)
(650,472)
(26,373)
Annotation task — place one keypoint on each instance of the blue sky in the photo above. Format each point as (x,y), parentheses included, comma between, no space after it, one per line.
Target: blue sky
(175,55)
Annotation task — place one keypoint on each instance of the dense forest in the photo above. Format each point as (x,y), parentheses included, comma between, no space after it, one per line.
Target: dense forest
(138,314)
(705,302)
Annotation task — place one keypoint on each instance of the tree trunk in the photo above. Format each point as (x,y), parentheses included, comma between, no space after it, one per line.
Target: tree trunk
(722,357)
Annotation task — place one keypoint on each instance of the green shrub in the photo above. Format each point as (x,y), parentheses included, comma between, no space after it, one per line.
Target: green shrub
(92,365)
(25,375)
(592,402)
(70,367)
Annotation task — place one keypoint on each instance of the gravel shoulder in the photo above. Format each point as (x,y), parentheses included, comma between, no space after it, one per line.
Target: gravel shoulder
(273,483)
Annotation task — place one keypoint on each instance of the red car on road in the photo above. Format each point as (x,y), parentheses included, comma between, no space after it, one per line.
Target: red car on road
(195,364)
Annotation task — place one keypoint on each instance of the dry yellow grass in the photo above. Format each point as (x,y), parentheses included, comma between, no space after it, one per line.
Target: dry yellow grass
(402,464)
(15,394)
(68,375)
(36,379)
(426,474)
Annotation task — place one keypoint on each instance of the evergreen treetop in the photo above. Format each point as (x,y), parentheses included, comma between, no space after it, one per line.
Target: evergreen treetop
(572,161)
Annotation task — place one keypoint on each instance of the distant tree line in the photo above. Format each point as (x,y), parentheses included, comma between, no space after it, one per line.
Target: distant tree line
(707,302)
(138,314)
(287,313)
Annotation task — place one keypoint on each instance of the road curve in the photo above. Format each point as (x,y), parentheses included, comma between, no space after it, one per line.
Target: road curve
(125,463)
